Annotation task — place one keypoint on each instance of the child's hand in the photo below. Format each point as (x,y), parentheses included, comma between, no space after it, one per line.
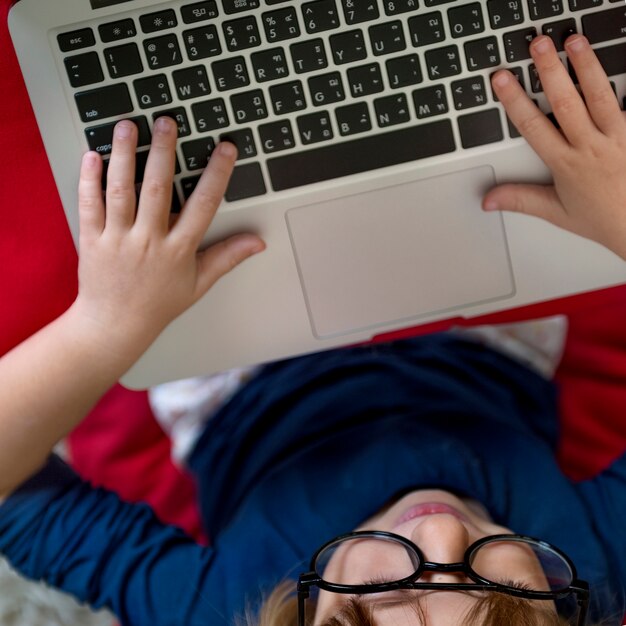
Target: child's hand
(587,159)
(136,272)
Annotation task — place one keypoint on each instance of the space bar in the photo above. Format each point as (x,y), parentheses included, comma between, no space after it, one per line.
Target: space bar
(361,155)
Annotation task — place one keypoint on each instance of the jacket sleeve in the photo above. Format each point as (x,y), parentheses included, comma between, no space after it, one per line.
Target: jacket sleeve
(108,553)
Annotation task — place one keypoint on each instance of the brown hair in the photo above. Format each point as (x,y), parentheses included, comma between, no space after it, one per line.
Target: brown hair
(494,609)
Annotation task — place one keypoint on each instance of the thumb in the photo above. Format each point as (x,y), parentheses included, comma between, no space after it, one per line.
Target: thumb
(222,257)
(537,200)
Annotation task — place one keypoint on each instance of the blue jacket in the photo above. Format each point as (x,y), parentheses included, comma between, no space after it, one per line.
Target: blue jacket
(308,450)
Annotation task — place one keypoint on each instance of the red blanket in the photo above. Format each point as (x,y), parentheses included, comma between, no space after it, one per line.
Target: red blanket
(120,446)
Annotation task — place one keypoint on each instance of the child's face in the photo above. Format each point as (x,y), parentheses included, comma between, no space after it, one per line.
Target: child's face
(443,526)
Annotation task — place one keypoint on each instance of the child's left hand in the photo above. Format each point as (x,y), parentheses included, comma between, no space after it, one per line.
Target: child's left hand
(136,272)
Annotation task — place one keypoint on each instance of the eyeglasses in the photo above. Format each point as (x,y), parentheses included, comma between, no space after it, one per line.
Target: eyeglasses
(400,564)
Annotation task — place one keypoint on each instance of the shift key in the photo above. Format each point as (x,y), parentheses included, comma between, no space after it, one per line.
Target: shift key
(97,104)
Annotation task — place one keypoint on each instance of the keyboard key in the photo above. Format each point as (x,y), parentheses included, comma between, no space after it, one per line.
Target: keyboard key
(199,12)
(612,59)
(353,119)
(123,60)
(482,53)
(466,20)
(198,152)
(361,155)
(404,71)
(115,31)
(162,52)
(392,110)
(309,56)
(387,38)
(269,65)
(535,81)
(105,102)
(504,13)
(477,129)
(427,29)
(395,7)
(179,115)
(244,140)
(241,34)
(210,115)
(315,127)
(84,69)
(202,42)
(161,20)
(76,40)
(231,73)
(357,11)
(281,25)
(236,6)
(559,32)
(192,82)
(580,5)
(605,25)
(100,138)
(469,92)
(246,182)
(326,89)
(249,106)
(188,185)
(430,101)
(287,97)
(348,47)
(516,44)
(276,136)
(365,80)
(443,62)
(153,91)
(540,9)
(320,15)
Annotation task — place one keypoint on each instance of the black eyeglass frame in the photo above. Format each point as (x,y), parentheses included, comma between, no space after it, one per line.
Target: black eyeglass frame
(312,579)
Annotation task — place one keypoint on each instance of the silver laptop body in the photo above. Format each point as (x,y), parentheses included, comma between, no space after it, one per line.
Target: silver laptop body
(368,133)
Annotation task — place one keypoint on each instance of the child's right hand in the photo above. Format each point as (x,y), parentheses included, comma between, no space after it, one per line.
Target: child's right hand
(587,158)
(137,272)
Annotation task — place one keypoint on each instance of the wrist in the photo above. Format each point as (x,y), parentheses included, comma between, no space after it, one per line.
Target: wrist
(114,343)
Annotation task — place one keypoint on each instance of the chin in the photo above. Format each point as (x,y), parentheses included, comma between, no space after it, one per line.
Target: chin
(385,519)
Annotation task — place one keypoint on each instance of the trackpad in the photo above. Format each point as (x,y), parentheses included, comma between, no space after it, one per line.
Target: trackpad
(400,253)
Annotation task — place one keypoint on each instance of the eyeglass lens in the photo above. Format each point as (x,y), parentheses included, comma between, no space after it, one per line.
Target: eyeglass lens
(371,560)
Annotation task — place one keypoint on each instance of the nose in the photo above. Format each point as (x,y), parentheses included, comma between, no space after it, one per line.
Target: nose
(442,539)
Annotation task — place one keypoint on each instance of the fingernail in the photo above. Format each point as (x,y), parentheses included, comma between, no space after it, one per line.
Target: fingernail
(163,124)
(543,45)
(91,159)
(123,130)
(492,205)
(501,79)
(576,44)
(228,150)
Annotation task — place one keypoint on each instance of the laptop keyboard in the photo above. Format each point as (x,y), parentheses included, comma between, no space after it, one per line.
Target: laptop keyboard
(313,91)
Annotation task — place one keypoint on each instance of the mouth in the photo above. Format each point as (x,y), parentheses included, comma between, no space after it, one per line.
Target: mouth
(430,508)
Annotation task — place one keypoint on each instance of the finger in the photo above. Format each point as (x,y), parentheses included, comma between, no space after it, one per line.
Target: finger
(90,202)
(120,191)
(155,200)
(565,102)
(537,200)
(594,83)
(533,125)
(222,257)
(200,209)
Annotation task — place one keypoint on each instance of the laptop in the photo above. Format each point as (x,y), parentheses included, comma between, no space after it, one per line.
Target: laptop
(368,134)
